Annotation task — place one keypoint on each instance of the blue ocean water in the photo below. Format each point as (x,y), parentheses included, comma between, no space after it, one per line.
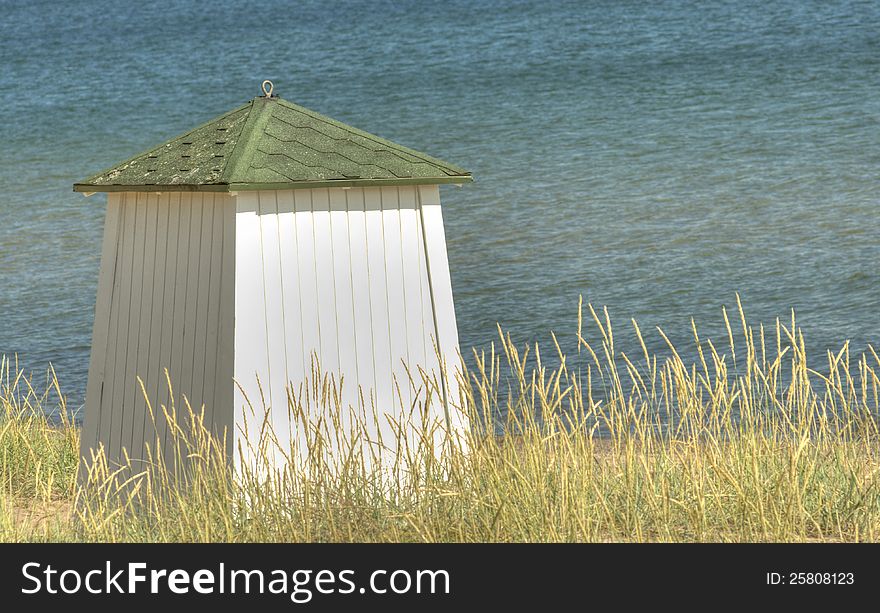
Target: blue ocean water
(654,157)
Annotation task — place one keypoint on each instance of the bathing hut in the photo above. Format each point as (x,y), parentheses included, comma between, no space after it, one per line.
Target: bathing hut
(243,254)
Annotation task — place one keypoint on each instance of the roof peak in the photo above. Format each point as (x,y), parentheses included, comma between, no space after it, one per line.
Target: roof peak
(267,87)
(273,146)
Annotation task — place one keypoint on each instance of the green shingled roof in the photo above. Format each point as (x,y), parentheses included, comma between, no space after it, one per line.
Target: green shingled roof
(270,143)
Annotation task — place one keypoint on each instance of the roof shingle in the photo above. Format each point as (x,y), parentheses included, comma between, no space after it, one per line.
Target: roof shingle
(270,143)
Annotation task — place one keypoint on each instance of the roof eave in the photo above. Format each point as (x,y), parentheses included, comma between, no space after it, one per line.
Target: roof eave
(244,187)
(177,187)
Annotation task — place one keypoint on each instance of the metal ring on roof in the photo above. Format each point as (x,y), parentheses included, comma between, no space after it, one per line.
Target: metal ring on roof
(267,88)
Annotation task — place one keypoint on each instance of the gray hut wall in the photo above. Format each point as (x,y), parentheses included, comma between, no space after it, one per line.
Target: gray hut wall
(165,301)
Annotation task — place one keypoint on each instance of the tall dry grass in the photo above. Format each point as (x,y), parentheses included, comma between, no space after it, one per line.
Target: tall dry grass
(744,443)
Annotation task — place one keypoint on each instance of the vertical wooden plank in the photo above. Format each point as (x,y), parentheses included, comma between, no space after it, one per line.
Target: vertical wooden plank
(178,320)
(191,314)
(251,364)
(396,298)
(360,294)
(378,290)
(410,238)
(108,391)
(326,295)
(432,359)
(153,379)
(140,333)
(122,375)
(212,318)
(203,292)
(112,393)
(171,302)
(297,367)
(271,275)
(131,407)
(225,386)
(441,288)
(307,266)
(344,303)
(98,359)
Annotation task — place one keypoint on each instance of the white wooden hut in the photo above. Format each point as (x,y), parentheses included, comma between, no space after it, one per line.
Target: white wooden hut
(251,246)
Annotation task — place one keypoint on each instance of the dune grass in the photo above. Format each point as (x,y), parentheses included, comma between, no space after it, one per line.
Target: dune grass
(747,443)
